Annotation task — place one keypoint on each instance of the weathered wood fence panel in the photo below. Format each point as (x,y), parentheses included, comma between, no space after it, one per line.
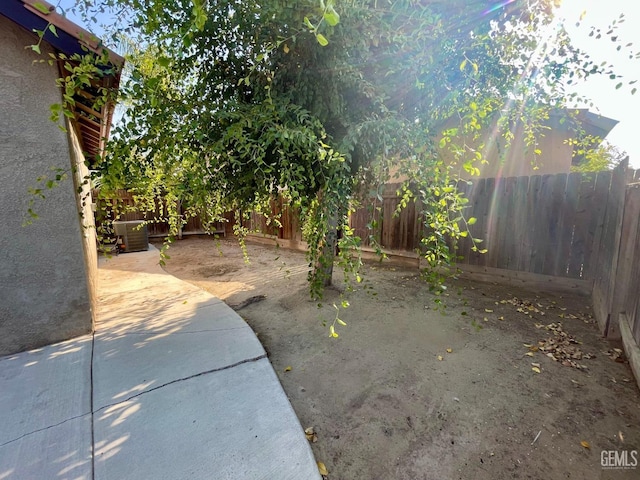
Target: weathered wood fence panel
(616,289)
(605,265)
(541,224)
(124,202)
(377,218)
(627,289)
(575,226)
(281,222)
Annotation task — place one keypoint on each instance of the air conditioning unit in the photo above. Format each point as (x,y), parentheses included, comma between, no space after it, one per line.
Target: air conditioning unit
(131,235)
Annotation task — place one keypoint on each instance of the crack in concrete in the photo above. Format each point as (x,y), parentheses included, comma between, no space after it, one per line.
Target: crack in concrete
(45,428)
(214,370)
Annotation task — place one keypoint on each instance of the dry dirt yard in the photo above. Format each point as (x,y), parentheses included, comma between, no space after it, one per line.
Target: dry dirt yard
(406,392)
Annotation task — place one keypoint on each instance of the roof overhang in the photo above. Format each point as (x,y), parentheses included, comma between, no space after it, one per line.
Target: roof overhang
(93,124)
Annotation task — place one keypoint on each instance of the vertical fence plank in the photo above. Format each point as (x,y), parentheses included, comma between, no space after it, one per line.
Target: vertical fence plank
(624,286)
(569,209)
(520,221)
(506,222)
(581,227)
(475,192)
(528,210)
(542,219)
(492,243)
(596,222)
(463,247)
(555,224)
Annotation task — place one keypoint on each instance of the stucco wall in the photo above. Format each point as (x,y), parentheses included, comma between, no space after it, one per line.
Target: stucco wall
(518,159)
(43,284)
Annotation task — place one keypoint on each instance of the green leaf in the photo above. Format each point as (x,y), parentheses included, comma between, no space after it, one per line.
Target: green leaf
(472,221)
(52,29)
(164,61)
(308,23)
(463,64)
(41,7)
(331,17)
(35,48)
(618,85)
(322,40)
(341,322)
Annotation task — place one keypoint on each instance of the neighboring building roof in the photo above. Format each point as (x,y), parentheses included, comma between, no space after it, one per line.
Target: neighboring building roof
(93,126)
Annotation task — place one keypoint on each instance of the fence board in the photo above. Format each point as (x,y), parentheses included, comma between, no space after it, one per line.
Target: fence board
(596,222)
(506,222)
(626,287)
(478,195)
(581,225)
(555,225)
(529,228)
(543,217)
(569,209)
(463,246)
(517,236)
(490,224)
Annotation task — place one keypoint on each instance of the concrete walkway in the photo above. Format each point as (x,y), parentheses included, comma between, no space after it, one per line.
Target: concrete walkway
(173,385)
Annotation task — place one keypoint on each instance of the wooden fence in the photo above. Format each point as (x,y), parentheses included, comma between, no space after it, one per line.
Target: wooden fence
(616,279)
(578,231)
(124,202)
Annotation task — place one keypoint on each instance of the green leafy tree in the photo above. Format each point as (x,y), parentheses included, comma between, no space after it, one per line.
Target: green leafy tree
(230,103)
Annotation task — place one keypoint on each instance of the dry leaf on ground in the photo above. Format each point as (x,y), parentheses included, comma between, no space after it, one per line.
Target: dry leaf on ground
(322,469)
(311,434)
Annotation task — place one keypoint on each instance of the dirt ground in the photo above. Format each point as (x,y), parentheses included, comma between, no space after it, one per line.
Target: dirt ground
(406,392)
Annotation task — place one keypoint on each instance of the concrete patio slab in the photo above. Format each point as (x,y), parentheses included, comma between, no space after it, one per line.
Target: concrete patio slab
(231,424)
(44,387)
(173,384)
(125,365)
(59,452)
(189,316)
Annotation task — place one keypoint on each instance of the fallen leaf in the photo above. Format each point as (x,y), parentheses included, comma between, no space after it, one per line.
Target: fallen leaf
(488,310)
(287,369)
(529,354)
(585,444)
(535,369)
(440,357)
(620,436)
(500,318)
(311,434)
(449,350)
(535,365)
(322,469)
